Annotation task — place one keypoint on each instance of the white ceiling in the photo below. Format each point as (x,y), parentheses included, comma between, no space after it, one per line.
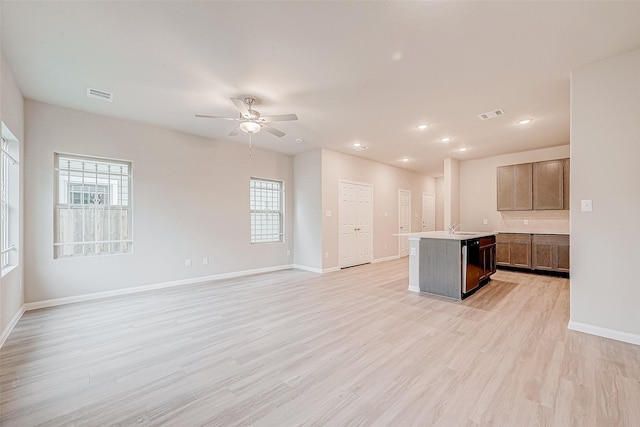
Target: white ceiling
(351,71)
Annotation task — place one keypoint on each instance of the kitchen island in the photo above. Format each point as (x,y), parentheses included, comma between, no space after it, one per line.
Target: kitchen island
(452,265)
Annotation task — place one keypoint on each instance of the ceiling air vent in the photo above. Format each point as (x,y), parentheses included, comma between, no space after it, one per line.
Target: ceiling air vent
(491,114)
(99,94)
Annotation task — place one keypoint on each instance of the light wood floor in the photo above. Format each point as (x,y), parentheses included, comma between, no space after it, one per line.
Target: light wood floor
(296,348)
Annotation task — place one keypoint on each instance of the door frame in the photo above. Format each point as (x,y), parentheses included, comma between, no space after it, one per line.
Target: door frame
(434,209)
(340,213)
(400,190)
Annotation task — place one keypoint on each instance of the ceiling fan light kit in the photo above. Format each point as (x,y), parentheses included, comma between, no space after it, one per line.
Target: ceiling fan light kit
(250,120)
(250,127)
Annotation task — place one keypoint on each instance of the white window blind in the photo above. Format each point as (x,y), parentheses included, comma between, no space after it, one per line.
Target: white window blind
(266,204)
(93,206)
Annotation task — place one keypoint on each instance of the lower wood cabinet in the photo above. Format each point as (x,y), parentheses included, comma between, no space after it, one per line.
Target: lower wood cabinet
(551,252)
(548,252)
(513,250)
(487,257)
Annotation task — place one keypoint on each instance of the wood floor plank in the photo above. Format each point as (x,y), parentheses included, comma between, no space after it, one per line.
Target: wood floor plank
(289,348)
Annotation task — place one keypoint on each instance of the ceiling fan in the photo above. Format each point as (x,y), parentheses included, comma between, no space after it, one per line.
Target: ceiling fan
(250,120)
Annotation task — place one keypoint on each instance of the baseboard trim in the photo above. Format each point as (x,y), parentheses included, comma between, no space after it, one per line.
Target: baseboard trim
(144,288)
(305,268)
(330,269)
(11,325)
(604,332)
(388,258)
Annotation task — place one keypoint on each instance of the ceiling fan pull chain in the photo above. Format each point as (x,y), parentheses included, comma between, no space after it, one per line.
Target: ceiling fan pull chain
(250,144)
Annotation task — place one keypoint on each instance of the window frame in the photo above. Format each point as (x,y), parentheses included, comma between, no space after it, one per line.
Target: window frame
(9,201)
(256,238)
(98,245)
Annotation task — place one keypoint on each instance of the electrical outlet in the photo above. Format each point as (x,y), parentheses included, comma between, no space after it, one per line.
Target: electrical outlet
(326,255)
(586,206)
(385,246)
(386,214)
(187,262)
(486,221)
(412,251)
(205,261)
(526,222)
(416,214)
(288,252)
(327,213)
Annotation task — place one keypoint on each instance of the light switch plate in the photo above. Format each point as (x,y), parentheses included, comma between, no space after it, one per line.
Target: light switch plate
(586,205)
(328,213)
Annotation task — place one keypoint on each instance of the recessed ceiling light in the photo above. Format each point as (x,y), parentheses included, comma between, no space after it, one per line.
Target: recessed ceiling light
(299,140)
(405,159)
(357,144)
(525,121)
(445,139)
(462,149)
(423,126)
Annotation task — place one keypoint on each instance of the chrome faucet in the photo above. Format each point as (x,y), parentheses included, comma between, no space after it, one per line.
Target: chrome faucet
(453,228)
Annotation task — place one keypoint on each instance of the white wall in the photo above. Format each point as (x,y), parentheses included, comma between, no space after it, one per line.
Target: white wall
(307,212)
(605,148)
(190,200)
(386,181)
(452,194)
(478,195)
(12,114)
(440,203)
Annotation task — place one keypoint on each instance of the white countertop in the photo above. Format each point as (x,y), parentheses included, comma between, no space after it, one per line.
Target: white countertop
(559,233)
(458,235)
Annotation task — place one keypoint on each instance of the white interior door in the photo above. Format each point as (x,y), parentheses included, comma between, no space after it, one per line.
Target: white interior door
(356,217)
(404,220)
(428,212)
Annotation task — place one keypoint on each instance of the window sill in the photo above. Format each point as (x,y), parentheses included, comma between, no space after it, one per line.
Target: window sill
(8,270)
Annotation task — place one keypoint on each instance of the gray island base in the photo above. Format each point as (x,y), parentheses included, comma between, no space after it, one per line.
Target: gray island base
(450,265)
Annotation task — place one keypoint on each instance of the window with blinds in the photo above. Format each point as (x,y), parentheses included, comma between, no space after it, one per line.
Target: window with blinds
(266,205)
(93,206)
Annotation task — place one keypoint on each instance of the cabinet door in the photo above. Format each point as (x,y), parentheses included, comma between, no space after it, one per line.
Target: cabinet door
(514,187)
(502,253)
(523,185)
(506,188)
(548,185)
(565,167)
(520,252)
(562,251)
(544,256)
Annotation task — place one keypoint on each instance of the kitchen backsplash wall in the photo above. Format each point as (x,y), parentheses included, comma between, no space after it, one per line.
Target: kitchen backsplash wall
(537,221)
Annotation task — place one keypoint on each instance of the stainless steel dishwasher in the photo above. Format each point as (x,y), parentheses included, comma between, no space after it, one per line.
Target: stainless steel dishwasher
(471,265)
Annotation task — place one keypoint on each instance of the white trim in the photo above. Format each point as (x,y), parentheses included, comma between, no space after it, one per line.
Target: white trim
(117,292)
(604,332)
(11,325)
(401,190)
(305,268)
(331,269)
(388,258)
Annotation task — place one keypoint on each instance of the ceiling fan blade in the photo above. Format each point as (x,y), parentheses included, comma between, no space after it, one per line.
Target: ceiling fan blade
(235,131)
(215,117)
(279,118)
(273,131)
(241,106)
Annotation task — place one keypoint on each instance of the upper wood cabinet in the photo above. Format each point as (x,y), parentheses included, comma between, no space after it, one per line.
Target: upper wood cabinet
(533,186)
(548,185)
(515,187)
